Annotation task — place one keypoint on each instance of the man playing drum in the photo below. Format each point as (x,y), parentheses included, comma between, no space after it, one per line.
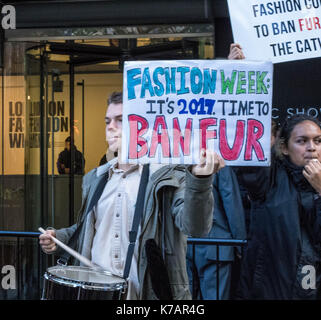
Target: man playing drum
(178,203)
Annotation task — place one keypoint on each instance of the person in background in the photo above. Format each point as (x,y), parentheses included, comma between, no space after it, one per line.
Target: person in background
(228,223)
(236,52)
(64,159)
(283,256)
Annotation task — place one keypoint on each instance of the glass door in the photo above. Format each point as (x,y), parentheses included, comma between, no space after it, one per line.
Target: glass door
(59,75)
(35,144)
(53,140)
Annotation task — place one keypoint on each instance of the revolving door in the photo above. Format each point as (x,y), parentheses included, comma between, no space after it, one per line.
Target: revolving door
(67,85)
(51,199)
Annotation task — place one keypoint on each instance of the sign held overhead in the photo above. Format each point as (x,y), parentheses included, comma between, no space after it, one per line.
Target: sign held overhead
(279,31)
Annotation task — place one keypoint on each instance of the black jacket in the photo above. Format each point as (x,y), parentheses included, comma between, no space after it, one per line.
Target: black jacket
(285,235)
(65,157)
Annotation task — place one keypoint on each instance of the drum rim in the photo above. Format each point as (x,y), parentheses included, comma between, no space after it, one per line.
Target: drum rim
(86,284)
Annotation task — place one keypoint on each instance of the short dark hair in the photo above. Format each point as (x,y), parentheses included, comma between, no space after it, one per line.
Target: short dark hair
(287,128)
(290,123)
(116,97)
(68,139)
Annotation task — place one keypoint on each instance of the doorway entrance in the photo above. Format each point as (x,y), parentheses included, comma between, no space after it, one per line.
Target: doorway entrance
(67,85)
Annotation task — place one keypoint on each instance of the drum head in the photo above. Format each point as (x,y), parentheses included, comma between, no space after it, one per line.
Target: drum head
(84,276)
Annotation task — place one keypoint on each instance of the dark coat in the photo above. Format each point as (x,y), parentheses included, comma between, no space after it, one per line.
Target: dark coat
(281,240)
(228,218)
(228,223)
(65,159)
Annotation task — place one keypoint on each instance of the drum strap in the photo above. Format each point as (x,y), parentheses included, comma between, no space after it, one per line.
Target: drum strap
(139,207)
(72,243)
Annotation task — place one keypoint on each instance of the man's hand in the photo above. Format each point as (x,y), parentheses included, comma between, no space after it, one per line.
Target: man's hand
(235,52)
(46,243)
(210,163)
(312,172)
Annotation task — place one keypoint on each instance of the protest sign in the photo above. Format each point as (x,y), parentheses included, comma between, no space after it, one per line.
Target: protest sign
(279,31)
(173,109)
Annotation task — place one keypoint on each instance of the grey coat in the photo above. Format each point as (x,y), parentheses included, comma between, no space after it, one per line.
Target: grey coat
(229,217)
(189,203)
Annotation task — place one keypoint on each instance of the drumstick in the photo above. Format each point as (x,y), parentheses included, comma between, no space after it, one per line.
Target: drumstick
(74,253)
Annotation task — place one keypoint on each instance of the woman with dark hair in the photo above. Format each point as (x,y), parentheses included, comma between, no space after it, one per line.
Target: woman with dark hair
(283,256)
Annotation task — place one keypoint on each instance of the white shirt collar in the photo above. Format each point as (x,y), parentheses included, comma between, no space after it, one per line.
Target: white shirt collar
(113,162)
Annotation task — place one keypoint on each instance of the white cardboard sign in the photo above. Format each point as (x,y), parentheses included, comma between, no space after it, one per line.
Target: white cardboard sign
(173,109)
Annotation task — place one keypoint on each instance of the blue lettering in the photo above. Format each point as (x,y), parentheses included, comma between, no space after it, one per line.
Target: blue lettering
(159,88)
(196,86)
(209,81)
(163,81)
(146,84)
(170,80)
(183,102)
(183,71)
(132,82)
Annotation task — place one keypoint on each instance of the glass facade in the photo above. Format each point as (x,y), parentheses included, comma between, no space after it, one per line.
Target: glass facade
(52,89)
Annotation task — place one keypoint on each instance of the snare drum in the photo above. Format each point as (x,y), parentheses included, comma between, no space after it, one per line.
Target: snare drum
(82,283)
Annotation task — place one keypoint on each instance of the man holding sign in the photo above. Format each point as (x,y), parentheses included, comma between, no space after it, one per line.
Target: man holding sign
(178,202)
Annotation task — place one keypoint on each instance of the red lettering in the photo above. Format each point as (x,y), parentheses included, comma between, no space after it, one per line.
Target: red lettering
(179,140)
(234,152)
(316,23)
(160,138)
(205,134)
(255,131)
(135,136)
(309,23)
